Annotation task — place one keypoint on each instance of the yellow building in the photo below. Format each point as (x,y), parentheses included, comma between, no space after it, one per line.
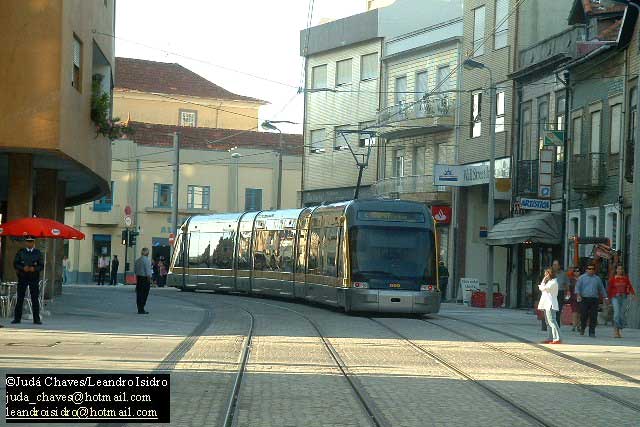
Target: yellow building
(221,169)
(50,155)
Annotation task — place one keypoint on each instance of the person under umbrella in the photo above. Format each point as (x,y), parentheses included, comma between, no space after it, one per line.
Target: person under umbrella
(28,263)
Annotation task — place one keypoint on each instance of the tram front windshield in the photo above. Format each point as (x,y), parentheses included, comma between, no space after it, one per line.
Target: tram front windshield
(392,253)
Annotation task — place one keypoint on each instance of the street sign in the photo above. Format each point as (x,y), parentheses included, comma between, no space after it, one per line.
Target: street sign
(554,137)
(128,221)
(535,204)
(442,214)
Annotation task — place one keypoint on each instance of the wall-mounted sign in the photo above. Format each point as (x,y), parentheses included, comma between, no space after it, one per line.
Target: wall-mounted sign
(442,214)
(470,174)
(554,137)
(535,204)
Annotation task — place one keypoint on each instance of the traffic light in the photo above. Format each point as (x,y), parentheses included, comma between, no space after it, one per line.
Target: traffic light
(125,237)
(132,238)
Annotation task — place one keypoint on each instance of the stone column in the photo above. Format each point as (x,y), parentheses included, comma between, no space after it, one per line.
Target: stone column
(19,203)
(46,199)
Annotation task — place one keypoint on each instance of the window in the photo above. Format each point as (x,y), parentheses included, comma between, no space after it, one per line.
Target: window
(502,24)
(422,84)
(418,160)
(369,66)
(341,141)
(611,226)
(317,141)
(543,121)
(252,199)
(560,124)
(364,139)
(478,31)
(400,91)
(628,167)
(244,249)
(576,139)
(162,195)
(443,81)
(319,77)
(198,197)
(595,131)
(616,122)
(105,203)
(343,72)
(398,163)
(76,76)
(188,118)
(526,132)
(499,111)
(476,110)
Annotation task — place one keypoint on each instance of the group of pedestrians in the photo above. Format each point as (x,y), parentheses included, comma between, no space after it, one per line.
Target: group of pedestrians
(582,293)
(103,268)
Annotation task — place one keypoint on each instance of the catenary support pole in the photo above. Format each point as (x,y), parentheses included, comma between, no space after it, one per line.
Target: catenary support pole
(176,183)
(492,185)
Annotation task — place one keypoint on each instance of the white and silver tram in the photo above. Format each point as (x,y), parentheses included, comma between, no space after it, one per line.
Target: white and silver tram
(362,255)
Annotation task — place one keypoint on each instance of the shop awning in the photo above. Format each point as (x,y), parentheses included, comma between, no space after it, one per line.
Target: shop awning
(539,227)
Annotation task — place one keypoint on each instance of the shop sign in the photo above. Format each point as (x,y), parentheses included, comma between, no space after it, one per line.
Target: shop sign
(483,232)
(442,214)
(535,204)
(468,286)
(471,174)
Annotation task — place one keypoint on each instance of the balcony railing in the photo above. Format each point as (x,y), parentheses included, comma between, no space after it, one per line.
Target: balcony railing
(560,46)
(528,171)
(434,106)
(589,172)
(410,184)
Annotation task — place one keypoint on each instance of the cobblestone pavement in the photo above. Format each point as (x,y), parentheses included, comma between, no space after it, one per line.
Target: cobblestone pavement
(291,379)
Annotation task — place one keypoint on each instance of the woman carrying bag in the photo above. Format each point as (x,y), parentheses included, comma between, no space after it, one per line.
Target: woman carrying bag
(549,304)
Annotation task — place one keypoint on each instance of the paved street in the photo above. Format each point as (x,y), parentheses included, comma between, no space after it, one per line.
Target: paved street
(310,366)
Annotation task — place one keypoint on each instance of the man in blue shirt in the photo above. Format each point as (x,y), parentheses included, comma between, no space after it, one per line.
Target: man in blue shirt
(588,289)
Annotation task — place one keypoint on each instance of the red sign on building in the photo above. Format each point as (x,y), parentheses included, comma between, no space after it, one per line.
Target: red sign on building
(442,214)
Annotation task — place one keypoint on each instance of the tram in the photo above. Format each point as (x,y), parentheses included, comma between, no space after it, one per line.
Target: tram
(361,255)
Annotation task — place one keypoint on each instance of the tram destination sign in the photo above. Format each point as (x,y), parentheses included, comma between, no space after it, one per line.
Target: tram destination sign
(535,204)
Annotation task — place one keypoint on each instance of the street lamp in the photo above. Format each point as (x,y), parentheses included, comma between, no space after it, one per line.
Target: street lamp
(471,64)
(269,125)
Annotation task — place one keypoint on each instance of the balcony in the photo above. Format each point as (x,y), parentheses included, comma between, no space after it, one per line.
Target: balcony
(411,184)
(589,172)
(528,177)
(550,52)
(427,115)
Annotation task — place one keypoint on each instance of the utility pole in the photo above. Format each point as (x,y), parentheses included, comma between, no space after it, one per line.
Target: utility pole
(176,183)
(279,201)
(492,184)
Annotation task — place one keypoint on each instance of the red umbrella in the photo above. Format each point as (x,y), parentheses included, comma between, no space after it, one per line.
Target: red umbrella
(40,228)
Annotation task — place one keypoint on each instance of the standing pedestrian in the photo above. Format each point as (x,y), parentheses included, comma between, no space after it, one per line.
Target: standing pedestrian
(619,288)
(115,264)
(103,266)
(573,299)
(66,268)
(549,303)
(163,271)
(156,272)
(443,275)
(143,280)
(563,286)
(588,289)
(28,264)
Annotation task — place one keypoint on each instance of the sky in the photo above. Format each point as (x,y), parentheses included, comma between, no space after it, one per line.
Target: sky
(211,37)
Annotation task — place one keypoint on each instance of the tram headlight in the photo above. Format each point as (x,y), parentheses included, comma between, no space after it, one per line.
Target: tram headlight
(361,285)
(427,288)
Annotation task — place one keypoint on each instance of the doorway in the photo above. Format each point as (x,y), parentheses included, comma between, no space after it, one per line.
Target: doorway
(101,246)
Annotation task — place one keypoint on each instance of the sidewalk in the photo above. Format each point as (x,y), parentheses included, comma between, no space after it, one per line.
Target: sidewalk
(620,355)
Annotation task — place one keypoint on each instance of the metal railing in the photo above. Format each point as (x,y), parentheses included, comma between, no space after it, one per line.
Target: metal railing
(440,105)
(406,185)
(589,172)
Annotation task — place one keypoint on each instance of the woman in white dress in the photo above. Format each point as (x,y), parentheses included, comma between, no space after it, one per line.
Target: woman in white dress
(549,304)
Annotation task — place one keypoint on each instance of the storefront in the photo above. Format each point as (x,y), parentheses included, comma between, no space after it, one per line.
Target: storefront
(534,241)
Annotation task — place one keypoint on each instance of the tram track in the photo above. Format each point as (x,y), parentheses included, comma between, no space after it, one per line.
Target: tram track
(375,416)
(516,407)
(573,359)
(621,401)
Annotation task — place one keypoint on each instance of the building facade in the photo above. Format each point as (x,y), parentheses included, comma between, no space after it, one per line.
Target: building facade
(342,69)
(50,155)
(221,170)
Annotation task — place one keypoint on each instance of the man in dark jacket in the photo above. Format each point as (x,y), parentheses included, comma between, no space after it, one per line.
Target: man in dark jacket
(443,274)
(115,264)
(28,264)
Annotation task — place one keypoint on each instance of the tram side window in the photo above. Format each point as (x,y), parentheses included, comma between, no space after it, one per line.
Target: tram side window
(222,249)
(177,261)
(330,252)
(244,246)
(287,244)
(267,251)
(315,246)
(199,250)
